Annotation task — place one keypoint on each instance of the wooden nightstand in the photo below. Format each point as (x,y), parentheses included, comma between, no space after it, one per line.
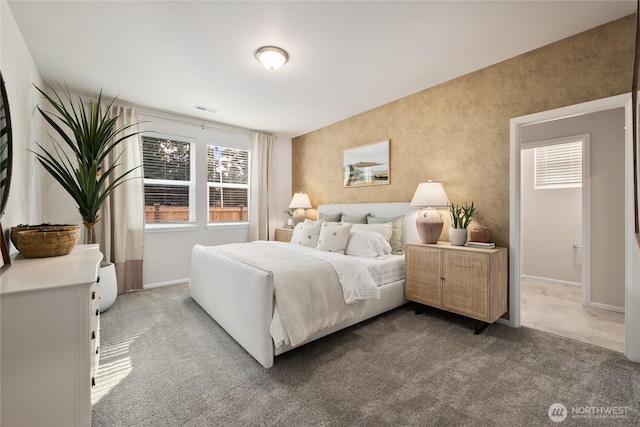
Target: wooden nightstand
(283,234)
(468,281)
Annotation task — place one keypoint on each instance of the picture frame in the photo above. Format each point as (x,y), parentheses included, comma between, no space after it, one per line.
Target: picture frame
(366,165)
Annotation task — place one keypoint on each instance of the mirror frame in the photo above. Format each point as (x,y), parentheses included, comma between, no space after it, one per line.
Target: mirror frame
(6,260)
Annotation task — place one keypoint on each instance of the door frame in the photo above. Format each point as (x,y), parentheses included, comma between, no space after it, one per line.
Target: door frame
(585,202)
(515,214)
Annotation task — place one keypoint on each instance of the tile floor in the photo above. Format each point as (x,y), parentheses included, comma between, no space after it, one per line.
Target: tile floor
(558,309)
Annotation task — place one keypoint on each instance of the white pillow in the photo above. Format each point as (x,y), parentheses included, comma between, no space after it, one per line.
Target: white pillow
(306,233)
(334,236)
(384,229)
(396,231)
(367,244)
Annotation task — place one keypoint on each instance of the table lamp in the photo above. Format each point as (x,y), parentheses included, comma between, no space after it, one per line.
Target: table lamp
(300,201)
(429,196)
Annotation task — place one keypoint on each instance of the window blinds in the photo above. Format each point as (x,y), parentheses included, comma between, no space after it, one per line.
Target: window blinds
(167,180)
(559,165)
(228,182)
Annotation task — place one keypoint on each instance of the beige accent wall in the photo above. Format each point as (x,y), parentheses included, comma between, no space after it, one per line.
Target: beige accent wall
(458,132)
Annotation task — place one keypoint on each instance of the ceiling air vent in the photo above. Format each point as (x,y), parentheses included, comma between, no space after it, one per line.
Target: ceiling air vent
(209,109)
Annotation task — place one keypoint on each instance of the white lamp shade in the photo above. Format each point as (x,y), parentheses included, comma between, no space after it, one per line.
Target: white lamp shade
(272,57)
(430,194)
(300,201)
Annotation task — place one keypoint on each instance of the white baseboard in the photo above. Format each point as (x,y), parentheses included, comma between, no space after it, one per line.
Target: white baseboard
(548,280)
(503,321)
(588,304)
(605,306)
(160,284)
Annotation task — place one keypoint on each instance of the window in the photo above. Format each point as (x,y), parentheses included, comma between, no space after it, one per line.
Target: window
(227,184)
(169,183)
(559,165)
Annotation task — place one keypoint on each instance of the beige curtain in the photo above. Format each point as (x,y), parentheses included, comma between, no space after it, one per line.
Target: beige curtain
(121,231)
(262,201)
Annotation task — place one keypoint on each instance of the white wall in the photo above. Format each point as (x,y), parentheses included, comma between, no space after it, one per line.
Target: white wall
(551,226)
(607,196)
(25,204)
(167,254)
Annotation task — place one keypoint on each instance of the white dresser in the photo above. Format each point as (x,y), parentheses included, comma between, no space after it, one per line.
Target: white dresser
(49,339)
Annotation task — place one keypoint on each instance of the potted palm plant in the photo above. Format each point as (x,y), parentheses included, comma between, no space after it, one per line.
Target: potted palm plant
(82,165)
(90,137)
(461,217)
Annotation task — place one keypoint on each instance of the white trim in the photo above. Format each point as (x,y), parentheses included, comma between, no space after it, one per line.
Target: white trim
(632,263)
(160,227)
(515,182)
(606,307)
(169,283)
(228,224)
(632,251)
(549,280)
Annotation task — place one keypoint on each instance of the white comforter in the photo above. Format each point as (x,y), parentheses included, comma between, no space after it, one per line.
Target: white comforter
(313,289)
(355,279)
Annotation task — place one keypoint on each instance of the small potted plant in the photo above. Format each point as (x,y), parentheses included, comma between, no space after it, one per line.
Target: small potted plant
(289,222)
(461,217)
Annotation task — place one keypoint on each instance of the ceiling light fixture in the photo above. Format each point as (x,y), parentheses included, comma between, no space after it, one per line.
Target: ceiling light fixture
(272,57)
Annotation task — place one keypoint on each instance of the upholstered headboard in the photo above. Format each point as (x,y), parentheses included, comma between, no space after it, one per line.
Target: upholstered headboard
(409,231)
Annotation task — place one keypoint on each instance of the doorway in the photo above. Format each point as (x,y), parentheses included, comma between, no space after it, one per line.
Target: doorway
(548,126)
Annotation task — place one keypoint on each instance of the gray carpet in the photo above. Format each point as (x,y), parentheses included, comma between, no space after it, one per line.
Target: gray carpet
(165,362)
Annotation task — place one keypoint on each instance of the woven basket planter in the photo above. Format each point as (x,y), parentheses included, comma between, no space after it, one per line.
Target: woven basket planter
(40,241)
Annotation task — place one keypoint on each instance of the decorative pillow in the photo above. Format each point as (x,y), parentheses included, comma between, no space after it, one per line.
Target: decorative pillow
(334,236)
(383,229)
(355,219)
(306,233)
(366,244)
(396,231)
(330,217)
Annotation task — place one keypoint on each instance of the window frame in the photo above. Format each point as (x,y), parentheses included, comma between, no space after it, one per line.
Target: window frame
(190,224)
(247,186)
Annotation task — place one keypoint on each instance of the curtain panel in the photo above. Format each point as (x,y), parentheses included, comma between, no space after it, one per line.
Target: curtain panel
(262,199)
(121,231)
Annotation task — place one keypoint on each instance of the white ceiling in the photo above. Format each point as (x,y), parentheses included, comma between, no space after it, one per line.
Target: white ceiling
(345,57)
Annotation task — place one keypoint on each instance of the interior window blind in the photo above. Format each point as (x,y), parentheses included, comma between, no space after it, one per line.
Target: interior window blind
(559,165)
(228,182)
(167,180)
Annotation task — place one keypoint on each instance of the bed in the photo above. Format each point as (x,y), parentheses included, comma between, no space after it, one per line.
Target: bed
(237,285)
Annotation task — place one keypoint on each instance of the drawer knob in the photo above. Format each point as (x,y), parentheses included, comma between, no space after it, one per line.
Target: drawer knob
(93,381)
(93,335)
(97,312)
(93,295)
(98,279)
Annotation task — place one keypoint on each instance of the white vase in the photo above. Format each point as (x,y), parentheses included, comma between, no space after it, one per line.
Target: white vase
(108,287)
(458,236)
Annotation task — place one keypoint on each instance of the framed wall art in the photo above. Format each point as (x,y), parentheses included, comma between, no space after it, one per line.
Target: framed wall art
(366,165)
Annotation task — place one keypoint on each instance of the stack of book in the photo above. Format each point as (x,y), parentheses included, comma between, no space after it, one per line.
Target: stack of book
(481,244)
